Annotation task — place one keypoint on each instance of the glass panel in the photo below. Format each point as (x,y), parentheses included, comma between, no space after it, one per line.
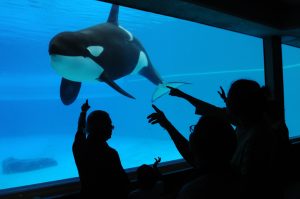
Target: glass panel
(291,74)
(35,124)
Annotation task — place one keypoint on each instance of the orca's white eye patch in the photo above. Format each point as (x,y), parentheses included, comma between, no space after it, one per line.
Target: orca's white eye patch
(95,50)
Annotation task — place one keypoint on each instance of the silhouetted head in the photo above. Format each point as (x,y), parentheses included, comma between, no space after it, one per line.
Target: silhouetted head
(146,176)
(212,141)
(246,100)
(99,125)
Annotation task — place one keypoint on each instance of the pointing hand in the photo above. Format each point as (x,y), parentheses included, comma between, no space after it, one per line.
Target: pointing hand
(158,117)
(85,107)
(175,91)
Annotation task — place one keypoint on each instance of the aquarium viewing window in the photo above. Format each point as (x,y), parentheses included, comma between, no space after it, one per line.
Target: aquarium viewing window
(37,129)
(291,72)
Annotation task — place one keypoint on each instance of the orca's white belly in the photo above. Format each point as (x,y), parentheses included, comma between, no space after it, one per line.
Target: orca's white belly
(76,68)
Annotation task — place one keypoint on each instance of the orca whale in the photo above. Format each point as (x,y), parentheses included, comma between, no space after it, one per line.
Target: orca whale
(104,53)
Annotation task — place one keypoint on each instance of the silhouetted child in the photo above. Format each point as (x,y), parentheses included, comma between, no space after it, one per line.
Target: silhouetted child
(99,167)
(149,182)
(209,150)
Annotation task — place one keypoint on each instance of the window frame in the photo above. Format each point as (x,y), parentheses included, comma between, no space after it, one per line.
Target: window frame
(273,71)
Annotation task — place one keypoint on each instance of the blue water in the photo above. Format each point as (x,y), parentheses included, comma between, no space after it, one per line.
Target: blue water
(35,123)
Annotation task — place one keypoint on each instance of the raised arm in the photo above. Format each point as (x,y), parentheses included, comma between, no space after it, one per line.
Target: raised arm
(178,93)
(181,143)
(82,117)
(155,167)
(80,138)
(80,134)
(157,161)
(202,107)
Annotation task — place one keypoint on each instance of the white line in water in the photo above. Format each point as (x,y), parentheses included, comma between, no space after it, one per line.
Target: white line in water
(291,66)
(216,72)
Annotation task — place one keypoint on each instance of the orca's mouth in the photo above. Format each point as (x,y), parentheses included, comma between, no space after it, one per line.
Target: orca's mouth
(65,51)
(66,44)
(53,50)
(57,49)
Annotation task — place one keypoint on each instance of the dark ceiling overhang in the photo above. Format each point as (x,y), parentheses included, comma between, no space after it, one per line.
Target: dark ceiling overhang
(256,18)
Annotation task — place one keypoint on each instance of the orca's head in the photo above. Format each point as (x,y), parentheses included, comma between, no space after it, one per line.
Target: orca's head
(68,44)
(72,58)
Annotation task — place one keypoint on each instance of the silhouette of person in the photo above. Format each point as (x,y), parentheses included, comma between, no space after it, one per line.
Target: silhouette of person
(261,151)
(209,149)
(99,167)
(149,182)
(262,147)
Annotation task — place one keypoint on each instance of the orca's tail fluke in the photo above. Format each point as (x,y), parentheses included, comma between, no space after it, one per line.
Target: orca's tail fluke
(162,89)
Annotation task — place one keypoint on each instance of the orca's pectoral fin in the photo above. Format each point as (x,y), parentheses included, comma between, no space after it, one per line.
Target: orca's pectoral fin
(162,89)
(111,83)
(69,91)
(113,15)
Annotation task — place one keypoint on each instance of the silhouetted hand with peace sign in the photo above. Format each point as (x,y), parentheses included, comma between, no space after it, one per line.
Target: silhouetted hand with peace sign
(222,94)
(157,161)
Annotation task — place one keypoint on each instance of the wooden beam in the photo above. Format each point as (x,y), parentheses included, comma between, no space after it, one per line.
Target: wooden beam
(200,13)
(256,18)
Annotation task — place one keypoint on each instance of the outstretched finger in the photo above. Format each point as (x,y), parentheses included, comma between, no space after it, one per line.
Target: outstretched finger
(222,89)
(156,109)
(170,87)
(86,101)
